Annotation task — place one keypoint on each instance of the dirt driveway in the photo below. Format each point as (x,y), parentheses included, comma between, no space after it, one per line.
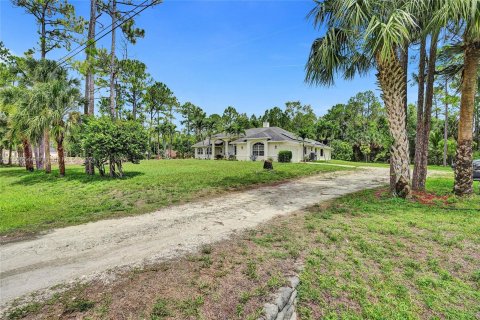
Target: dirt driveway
(89,250)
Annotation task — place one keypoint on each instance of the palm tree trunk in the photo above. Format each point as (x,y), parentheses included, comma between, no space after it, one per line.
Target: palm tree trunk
(48,161)
(36,151)
(421,177)
(9,154)
(27,153)
(463,160)
(391,78)
(20,157)
(61,156)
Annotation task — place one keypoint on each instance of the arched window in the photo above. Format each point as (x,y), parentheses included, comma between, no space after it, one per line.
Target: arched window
(258,149)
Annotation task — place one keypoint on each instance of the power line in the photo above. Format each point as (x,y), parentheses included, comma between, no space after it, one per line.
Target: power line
(62,61)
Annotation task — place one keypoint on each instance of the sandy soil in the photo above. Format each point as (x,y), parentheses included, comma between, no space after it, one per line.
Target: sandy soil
(91,250)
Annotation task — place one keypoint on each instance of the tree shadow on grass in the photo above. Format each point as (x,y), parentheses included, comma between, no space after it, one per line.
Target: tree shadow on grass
(72,174)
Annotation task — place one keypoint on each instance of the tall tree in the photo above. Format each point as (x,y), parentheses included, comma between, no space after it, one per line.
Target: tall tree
(120,13)
(424,110)
(159,99)
(133,80)
(362,34)
(54,102)
(58,25)
(90,61)
(466,15)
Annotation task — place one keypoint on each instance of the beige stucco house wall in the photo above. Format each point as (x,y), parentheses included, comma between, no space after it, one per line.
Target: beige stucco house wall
(261,144)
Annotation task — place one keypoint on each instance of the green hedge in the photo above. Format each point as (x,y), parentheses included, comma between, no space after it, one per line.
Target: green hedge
(284,156)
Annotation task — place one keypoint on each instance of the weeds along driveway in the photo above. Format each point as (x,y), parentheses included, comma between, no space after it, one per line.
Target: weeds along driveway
(88,251)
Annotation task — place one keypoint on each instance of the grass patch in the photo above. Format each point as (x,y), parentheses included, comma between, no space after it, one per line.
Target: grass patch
(31,202)
(383,165)
(160,310)
(387,258)
(80,305)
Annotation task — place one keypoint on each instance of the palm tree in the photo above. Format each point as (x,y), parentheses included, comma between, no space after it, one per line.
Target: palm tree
(210,127)
(362,34)
(466,14)
(198,123)
(304,133)
(66,100)
(16,99)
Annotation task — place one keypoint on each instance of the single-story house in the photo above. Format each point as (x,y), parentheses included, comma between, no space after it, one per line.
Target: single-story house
(261,144)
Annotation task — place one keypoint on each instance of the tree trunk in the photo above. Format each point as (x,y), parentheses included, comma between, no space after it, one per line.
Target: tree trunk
(48,161)
(419,180)
(38,149)
(112,60)
(112,167)
(404,62)
(9,154)
(43,34)
(27,154)
(445,127)
(1,155)
(20,156)
(463,160)
(89,80)
(391,78)
(40,154)
(61,156)
(119,168)
(419,139)
(134,107)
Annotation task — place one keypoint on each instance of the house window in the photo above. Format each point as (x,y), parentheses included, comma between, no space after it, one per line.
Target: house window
(209,150)
(235,150)
(258,149)
(199,150)
(321,152)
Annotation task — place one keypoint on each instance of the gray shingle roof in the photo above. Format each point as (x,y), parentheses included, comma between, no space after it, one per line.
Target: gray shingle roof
(269,133)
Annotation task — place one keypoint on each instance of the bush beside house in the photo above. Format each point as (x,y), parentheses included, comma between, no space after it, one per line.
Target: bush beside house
(284,156)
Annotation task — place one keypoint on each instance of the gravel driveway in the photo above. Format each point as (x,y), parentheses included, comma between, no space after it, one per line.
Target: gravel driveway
(89,250)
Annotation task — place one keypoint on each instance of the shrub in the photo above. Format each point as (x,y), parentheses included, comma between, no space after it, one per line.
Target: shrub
(219,157)
(342,150)
(284,156)
(114,141)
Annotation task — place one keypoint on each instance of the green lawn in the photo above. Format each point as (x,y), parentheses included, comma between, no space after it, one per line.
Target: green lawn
(374,257)
(35,201)
(383,165)
(365,256)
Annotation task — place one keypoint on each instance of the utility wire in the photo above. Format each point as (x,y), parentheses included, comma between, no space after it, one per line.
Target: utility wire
(62,61)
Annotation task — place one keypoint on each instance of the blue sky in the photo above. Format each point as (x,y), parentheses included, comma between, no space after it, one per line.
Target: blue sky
(248,54)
